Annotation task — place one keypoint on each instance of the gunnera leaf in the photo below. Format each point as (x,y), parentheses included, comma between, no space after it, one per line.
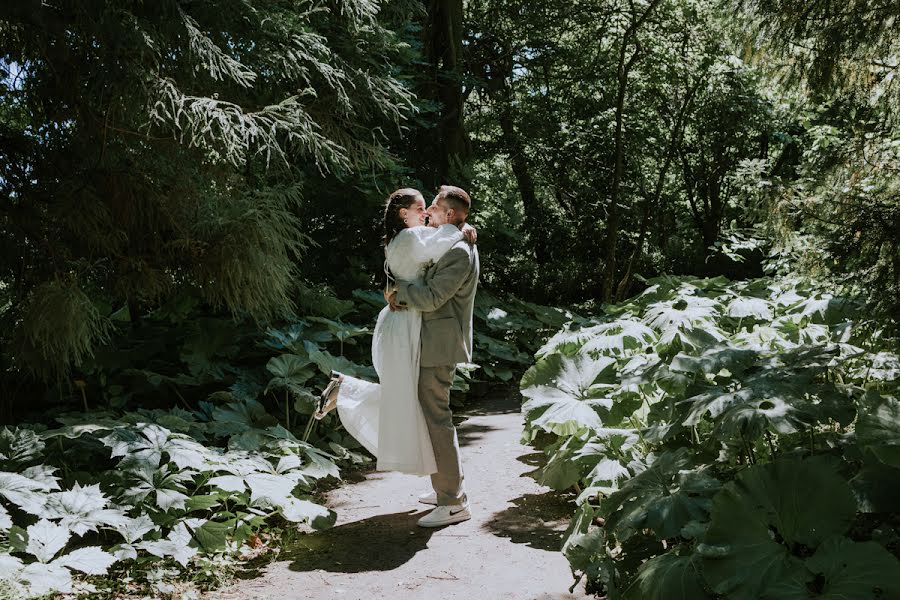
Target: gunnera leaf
(669,577)
(878,429)
(844,570)
(744,307)
(761,401)
(563,391)
(289,371)
(664,497)
(764,515)
(714,359)
(856,570)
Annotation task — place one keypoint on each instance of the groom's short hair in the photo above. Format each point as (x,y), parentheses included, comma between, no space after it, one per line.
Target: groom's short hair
(456,198)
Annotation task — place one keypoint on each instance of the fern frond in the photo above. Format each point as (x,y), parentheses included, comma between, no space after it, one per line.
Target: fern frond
(217,63)
(60,328)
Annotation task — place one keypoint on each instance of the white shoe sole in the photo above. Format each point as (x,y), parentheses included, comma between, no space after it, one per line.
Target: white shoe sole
(463,515)
(428,500)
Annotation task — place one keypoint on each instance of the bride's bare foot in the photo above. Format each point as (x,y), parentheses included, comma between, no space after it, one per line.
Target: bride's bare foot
(328,399)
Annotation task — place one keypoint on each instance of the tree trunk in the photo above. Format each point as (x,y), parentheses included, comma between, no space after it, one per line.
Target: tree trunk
(650,203)
(612,222)
(442,45)
(501,92)
(525,183)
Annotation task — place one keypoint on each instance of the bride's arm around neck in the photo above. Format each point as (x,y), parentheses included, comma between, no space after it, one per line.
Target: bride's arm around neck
(424,244)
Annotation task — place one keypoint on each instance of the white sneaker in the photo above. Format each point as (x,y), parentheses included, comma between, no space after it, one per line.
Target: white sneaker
(445,515)
(428,498)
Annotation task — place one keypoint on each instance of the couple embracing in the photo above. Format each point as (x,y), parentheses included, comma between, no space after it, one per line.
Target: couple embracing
(420,336)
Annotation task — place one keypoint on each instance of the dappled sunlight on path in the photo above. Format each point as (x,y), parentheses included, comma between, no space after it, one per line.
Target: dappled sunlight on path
(508,550)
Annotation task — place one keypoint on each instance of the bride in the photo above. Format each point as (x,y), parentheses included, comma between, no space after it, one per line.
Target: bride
(386,418)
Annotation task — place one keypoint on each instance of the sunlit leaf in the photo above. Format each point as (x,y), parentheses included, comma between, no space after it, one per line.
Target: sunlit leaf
(45,539)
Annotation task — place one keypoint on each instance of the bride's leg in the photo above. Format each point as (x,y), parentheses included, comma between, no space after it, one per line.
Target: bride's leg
(329,396)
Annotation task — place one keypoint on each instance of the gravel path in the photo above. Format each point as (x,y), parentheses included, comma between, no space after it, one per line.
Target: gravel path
(509,549)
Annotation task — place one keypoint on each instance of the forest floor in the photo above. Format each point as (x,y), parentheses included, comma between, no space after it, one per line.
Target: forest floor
(509,549)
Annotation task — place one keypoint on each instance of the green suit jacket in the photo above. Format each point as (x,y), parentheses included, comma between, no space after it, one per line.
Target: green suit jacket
(446,298)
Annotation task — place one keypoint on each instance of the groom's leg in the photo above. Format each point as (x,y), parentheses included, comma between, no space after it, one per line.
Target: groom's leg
(434,396)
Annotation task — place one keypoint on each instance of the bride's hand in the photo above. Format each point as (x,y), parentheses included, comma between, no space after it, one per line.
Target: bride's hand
(470,233)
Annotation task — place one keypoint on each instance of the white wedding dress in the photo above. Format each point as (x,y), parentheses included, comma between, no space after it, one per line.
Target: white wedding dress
(386,418)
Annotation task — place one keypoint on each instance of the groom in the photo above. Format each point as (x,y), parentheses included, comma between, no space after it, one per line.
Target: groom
(446,299)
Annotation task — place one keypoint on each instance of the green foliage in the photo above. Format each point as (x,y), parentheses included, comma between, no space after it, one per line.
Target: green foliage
(699,437)
(152,492)
(544,114)
(176,150)
(831,193)
(142,484)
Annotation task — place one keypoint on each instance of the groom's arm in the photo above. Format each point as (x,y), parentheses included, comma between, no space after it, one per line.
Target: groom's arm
(448,277)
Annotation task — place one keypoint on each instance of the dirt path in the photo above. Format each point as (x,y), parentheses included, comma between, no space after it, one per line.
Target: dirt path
(509,549)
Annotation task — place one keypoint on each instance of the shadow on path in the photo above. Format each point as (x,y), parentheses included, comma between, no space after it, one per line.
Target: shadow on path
(537,520)
(502,400)
(379,543)
(471,433)
(534,459)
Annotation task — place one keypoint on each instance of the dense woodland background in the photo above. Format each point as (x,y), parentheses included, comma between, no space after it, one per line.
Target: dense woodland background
(233,156)
(688,214)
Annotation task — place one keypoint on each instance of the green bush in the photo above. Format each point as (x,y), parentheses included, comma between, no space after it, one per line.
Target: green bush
(726,439)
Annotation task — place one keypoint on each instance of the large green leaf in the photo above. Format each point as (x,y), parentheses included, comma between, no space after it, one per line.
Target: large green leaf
(782,393)
(856,570)
(844,570)
(878,428)
(669,577)
(606,453)
(584,544)
(570,340)
(621,337)
(663,497)
(762,338)
(208,344)
(740,557)
(372,298)
(691,337)
(576,375)
(823,307)
(327,363)
(562,471)
(767,512)
(243,415)
(213,535)
(644,371)
(714,359)
(744,307)
(762,400)
(294,336)
(877,487)
(689,311)
(340,330)
(91,560)
(300,510)
(548,315)
(28,493)
(880,366)
(46,539)
(290,371)
(558,412)
(82,509)
(500,349)
(565,394)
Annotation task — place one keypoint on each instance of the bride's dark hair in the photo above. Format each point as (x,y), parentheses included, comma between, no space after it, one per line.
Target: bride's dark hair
(393,224)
